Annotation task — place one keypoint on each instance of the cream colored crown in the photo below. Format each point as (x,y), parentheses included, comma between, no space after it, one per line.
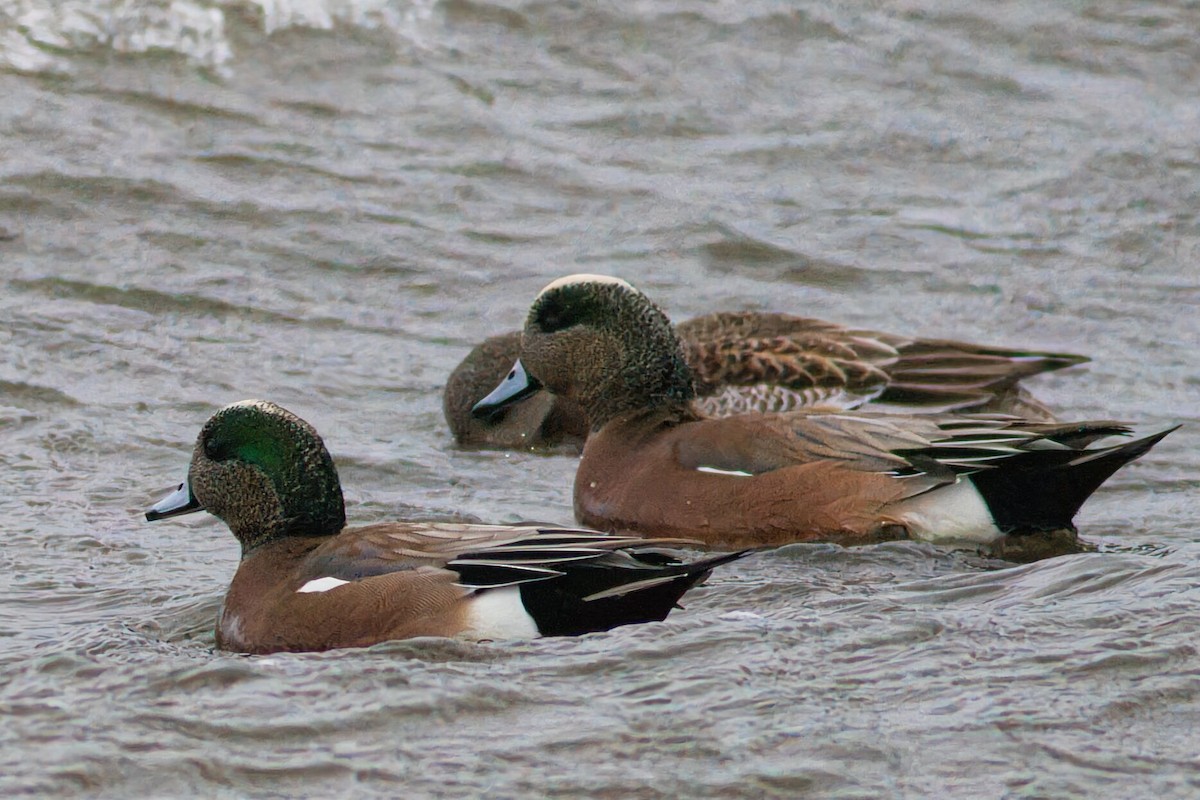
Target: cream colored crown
(584,277)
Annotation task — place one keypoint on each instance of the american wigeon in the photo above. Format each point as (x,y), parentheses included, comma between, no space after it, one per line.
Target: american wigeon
(305,582)
(655,464)
(764,362)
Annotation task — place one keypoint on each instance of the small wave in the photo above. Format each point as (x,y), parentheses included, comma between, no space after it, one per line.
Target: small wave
(34,34)
(34,394)
(37,35)
(278,15)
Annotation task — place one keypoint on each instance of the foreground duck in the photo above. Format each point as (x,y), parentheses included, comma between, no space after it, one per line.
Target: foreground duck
(655,464)
(305,582)
(765,362)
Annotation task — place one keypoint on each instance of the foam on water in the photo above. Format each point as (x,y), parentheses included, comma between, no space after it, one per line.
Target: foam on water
(31,31)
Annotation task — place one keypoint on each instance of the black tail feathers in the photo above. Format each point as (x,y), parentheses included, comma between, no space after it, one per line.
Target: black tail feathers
(624,588)
(1041,490)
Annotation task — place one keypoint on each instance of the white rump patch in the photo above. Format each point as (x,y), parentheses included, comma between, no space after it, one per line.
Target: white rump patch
(735,472)
(499,614)
(949,514)
(584,277)
(321,585)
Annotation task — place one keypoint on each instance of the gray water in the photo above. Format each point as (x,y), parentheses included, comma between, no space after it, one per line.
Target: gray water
(206,201)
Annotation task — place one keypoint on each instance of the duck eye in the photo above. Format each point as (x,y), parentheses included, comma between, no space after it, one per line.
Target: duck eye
(551,321)
(212,448)
(556,314)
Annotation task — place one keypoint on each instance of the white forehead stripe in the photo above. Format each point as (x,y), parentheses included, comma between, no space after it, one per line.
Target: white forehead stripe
(265,406)
(584,277)
(321,585)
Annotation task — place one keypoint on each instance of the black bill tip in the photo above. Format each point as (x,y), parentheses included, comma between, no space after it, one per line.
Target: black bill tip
(180,501)
(517,385)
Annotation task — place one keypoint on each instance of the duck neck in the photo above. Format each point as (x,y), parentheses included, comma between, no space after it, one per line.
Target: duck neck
(309,525)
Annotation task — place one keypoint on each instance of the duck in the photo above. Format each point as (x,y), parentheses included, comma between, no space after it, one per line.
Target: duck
(656,464)
(306,582)
(756,361)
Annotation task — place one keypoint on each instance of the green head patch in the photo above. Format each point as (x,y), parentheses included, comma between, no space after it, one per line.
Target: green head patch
(283,448)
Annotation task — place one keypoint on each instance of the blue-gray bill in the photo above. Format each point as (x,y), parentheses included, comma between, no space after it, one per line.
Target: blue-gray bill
(518,384)
(180,501)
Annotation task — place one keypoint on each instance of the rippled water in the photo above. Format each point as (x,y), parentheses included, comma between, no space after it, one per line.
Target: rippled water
(326,204)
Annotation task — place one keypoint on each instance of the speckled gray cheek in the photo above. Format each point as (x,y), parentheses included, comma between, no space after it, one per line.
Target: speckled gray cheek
(568,362)
(240,496)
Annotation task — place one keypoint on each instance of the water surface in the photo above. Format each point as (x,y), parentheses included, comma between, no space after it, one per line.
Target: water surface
(206,201)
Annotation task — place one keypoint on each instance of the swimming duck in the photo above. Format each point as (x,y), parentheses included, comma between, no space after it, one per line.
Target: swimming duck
(656,464)
(307,582)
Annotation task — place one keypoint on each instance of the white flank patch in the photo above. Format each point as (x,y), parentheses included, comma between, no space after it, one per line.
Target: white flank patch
(499,614)
(584,278)
(231,628)
(947,514)
(735,472)
(321,585)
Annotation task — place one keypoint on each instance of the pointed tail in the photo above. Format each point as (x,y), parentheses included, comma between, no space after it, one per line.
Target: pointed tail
(946,375)
(624,588)
(1041,490)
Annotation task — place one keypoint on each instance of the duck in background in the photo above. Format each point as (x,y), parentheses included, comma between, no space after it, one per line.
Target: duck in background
(767,362)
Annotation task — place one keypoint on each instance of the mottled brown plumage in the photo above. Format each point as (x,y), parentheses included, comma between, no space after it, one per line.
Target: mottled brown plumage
(763,362)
